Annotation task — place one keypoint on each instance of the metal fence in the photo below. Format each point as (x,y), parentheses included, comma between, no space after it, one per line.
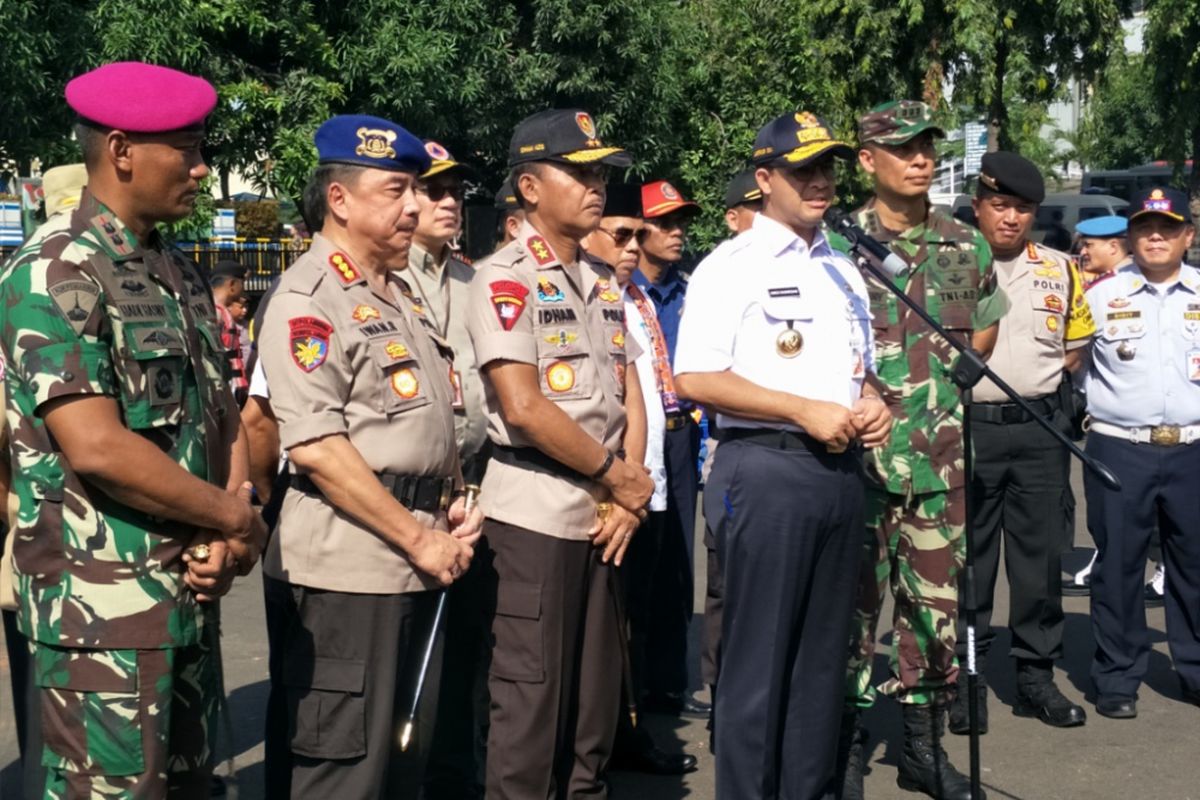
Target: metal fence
(264,259)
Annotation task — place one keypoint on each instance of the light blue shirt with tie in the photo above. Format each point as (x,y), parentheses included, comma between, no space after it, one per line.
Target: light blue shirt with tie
(1145,366)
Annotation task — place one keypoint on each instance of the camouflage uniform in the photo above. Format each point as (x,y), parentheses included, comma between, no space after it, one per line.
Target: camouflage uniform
(915,505)
(128,685)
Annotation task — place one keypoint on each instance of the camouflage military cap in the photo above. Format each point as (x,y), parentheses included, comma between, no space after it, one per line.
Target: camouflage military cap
(895,122)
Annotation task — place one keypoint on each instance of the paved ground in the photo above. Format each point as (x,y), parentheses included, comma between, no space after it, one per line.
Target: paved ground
(1154,755)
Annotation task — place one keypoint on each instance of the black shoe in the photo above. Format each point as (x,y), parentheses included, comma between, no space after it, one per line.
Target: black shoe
(681,704)
(960,711)
(653,761)
(924,765)
(1189,695)
(1047,703)
(1115,707)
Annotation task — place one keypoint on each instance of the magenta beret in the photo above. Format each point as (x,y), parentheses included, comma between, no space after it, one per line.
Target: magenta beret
(142,98)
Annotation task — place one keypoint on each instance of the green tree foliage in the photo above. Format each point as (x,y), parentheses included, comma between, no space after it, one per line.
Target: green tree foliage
(1173,46)
(1121,127)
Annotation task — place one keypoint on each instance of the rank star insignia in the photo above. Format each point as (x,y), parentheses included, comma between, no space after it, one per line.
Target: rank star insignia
(344,269)
(363,313)
(540,250)
(310,341)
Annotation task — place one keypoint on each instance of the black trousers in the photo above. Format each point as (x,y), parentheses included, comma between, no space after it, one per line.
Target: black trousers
(343,667)
(1159,487)
(788,526)
(1019,495)
(25,697)
(714,609)
(555,673)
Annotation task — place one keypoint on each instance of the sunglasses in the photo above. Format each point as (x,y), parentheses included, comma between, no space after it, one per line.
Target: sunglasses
(438,191)
(621,236)
(825,168)
(669,221)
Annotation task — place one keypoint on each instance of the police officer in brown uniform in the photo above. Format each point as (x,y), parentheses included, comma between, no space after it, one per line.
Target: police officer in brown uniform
(360,382)
(565,488)
(1020,481)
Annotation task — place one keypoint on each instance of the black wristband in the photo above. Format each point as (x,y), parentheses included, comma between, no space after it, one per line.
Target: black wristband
(605,467)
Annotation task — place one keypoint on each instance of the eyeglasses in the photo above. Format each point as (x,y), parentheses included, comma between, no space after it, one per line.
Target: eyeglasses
(438,191)
(808,172)
(621,236)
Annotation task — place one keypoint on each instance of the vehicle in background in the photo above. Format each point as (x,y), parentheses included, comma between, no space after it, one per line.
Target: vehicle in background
(1057,215)
(1124,182)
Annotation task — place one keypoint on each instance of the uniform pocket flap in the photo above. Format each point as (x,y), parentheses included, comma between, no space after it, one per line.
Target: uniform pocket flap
(154,342)
(787,308)
(391,351)
(326,674)
(522,600)
(110,671)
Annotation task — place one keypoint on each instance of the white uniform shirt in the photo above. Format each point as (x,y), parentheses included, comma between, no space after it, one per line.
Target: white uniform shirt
(753,288)
(656,417)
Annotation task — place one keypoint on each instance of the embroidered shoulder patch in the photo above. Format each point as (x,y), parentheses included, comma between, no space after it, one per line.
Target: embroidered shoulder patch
(76,299)
(508,298)
(310,341)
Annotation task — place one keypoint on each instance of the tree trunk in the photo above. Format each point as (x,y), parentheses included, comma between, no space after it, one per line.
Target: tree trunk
(997,111)
(224,176)
(935,73)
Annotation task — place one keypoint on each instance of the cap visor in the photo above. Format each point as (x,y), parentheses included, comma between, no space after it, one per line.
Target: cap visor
(811,152)
(451,168)
(902,138)
(662,209)
(1168,214)
(609,156)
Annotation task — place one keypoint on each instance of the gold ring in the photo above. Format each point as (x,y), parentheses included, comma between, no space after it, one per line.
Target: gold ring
(199,552)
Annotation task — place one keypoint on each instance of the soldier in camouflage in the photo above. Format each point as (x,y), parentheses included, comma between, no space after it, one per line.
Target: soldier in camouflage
(915,504)
(127,460)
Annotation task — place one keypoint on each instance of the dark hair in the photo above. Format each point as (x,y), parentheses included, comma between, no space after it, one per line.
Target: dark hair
(313,205)
(92,139)
(524,168)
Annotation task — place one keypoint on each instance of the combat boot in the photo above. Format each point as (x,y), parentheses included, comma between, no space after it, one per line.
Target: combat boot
(1038,696)
(960,717)
(851,755)
(924,765)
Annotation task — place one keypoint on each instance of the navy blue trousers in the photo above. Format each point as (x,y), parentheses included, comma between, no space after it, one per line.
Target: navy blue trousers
(1159,488)
(788,525)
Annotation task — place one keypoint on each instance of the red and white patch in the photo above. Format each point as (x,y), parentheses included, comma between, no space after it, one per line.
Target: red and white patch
(436,151)
(668,191)
(508,298)
(584,121)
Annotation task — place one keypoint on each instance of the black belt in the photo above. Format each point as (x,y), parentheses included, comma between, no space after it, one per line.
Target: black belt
(1011,413)
(677,421)
(774,438)
(526,457)
(415,492)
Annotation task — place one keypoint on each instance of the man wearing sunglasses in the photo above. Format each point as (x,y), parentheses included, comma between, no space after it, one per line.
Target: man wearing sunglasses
(441,280)
(565,488)
(667,214)
(915,489)
(776,337)
(617,241)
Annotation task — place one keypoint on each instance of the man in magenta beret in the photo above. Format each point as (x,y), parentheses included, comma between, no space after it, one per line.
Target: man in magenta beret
(135,511)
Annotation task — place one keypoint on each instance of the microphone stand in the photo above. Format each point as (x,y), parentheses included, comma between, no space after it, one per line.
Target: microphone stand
(969,370)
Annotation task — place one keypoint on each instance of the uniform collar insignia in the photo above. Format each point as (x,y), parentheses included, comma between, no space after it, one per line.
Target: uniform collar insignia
(347,273)
(540,249)
(1032,251)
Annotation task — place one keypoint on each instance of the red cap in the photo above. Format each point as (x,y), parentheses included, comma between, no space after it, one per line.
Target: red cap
(141,98)
(661,198)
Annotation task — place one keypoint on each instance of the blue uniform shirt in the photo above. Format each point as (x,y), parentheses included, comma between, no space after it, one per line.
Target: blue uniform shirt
(668,299)
(1146,355)
(736,316)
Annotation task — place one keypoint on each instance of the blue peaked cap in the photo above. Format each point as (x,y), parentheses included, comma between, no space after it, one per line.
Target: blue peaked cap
(368,141)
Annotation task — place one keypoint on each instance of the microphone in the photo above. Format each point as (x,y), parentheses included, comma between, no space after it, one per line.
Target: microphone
(864,244)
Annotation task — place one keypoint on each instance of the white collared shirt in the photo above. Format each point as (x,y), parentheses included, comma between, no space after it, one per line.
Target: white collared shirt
(656,418)
(751,289)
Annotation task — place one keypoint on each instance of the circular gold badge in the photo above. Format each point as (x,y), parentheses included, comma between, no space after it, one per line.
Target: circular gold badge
(560,377)
(404,383)
(789,343)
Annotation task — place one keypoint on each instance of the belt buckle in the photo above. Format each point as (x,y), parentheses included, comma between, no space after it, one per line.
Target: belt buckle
(446,494)
(1164,435)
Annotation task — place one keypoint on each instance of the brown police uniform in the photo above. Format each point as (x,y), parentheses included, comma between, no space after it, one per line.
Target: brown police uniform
(347,606)
(555,671)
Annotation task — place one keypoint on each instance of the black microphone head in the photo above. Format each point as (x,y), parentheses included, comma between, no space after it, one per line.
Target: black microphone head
(836,218)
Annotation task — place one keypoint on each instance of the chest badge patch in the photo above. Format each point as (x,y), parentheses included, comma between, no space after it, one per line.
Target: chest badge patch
(1118,302)
(562,338)
(789,343)
(508,298)
(310,341)
(1054,303)
(365,313)
(547,292)
(560,377)
(405,383)
(605,291)
(396,350)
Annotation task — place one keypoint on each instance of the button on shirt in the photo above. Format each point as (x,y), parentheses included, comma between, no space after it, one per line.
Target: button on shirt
(752,289)
(1145,366)
(668,300)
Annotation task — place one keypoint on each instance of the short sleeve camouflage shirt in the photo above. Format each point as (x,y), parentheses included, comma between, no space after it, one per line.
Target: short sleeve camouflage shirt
(951,271)
(88,311)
